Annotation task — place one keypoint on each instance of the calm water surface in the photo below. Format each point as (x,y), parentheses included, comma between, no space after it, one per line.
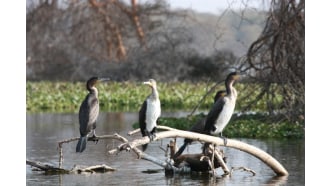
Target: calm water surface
(45,130)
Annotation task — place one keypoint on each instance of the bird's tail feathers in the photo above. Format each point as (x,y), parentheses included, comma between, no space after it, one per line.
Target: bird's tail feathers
(144,147)
(81,146)
(181,149)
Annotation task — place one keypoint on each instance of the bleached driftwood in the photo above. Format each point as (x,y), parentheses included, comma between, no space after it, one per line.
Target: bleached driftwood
(118,137)
(168,163)
(220,160)
(50,169)
(92,169)
(158,127)
(173,133)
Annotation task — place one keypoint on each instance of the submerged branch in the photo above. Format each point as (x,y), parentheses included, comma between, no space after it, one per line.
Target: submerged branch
(46,167)
(243,169)
(219,158)
(49,169)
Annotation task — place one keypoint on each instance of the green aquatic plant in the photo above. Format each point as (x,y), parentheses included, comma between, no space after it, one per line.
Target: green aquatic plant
(128,96)
(243,126)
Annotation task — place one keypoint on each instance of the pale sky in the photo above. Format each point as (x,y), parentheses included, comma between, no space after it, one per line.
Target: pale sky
(214,6)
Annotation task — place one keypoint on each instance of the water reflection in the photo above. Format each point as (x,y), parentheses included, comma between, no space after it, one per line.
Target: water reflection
(45,130)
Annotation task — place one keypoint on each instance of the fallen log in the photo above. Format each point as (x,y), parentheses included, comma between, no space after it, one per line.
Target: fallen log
(174,133)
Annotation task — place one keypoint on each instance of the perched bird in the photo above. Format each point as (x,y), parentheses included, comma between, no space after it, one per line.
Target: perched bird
(149,113)
(88,113)
(198,127)
(219,94)
(222,110)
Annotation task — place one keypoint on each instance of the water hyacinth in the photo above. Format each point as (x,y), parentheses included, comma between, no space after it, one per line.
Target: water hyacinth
(59,97)
(114,96)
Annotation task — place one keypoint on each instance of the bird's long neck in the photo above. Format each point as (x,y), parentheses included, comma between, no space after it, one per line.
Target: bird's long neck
(154,94)
(93,90)
(231,91)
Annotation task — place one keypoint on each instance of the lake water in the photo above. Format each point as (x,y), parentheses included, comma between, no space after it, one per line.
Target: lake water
(43,131)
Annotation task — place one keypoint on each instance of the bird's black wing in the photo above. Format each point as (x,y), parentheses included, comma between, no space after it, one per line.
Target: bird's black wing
(142,118)
(84,116)
(198,127)
(88,113)
(94,111)
(213,115)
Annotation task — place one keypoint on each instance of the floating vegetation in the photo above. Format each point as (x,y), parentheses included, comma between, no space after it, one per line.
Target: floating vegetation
(128,96)
(243,126)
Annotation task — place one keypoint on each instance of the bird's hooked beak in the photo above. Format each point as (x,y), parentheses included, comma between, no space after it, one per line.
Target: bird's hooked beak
(151,83)
(148,83)
(236,77)
(103,79)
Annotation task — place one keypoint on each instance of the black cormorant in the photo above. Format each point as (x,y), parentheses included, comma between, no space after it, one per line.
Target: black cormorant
(222,110)
(88,113)
(198,127)
(149,113)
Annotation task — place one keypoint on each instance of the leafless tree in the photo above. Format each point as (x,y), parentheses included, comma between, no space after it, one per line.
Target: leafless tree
(70,34)
(276,60)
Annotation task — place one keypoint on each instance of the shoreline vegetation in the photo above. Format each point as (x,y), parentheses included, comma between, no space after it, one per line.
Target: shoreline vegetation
(59,97)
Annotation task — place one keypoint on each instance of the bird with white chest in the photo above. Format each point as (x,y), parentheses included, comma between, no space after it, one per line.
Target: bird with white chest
(149,113)
(221,112)
(199,126)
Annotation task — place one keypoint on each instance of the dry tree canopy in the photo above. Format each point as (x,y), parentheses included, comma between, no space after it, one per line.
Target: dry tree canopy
(72,39)
(276,60)
(101,27)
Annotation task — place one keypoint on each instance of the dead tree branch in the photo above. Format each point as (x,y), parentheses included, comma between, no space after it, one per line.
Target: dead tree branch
(276,60)
(168,164)
(243,169)
(60,143)
(158,127)
(49,169)
(258,153)
(219,158)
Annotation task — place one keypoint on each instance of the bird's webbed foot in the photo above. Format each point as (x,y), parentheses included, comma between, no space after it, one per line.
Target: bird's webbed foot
(151,135)
(94,138)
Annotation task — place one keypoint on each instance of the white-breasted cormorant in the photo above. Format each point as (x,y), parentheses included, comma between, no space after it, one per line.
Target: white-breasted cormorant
(222,110)
(198,127)
(150,112)
(88,113)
